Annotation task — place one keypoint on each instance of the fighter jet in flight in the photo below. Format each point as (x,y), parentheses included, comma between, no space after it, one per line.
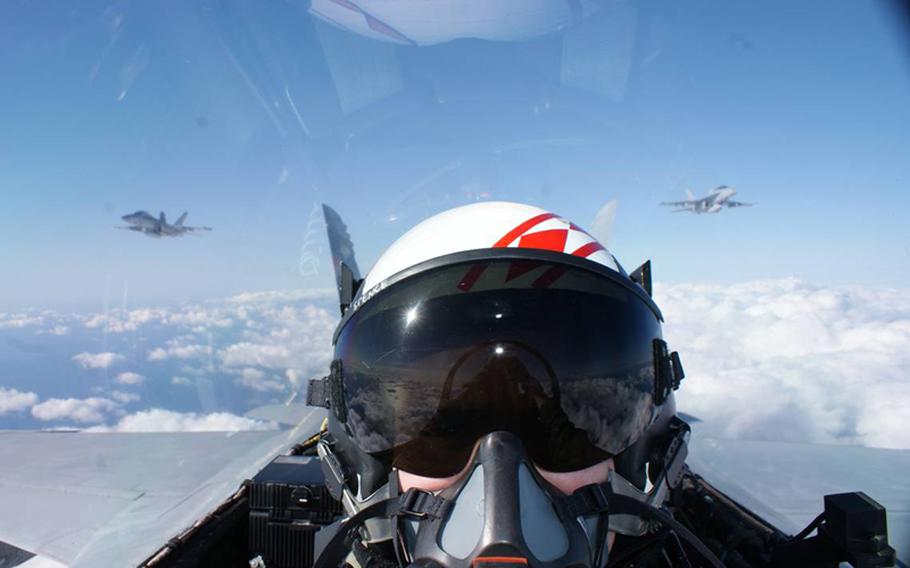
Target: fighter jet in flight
(716,200)
(143,222)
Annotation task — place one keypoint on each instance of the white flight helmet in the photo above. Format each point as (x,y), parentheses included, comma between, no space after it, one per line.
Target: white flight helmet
(485,225)
(499,325)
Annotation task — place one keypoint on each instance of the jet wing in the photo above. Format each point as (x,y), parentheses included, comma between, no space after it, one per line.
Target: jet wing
(679,203)
(784,483)
(737,204)
(114,499)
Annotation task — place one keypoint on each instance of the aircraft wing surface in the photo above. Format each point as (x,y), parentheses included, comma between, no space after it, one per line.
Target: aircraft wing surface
(785,482)
(287,414)
(114,499)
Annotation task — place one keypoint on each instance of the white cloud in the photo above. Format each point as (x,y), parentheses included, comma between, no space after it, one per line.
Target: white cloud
(181,382)
(283,296)
(145,315)
(12,400)
(201,318)
(252,374)
(786,360)
(21,320)
(124,397)
(47,322)
(118,321)
(189,351)
(157,354)
(180,348)
(286,338)
(263,354)
(294,378)
(258,380)
(130,378)
(96,320)
(79,410)
(160,420)
(97,360)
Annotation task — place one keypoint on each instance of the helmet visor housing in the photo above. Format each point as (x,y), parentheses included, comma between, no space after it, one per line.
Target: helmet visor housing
(559,355)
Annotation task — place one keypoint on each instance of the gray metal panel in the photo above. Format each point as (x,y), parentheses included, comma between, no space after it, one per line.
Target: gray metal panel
(785,482)
(113,499)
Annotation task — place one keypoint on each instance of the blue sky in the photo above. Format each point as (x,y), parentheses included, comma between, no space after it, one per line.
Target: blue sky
(248,114)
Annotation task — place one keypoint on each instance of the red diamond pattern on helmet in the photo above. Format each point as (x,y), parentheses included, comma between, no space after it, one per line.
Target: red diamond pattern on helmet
(572,240)
(521,229)
(569,237)
(553,239)
(587,250)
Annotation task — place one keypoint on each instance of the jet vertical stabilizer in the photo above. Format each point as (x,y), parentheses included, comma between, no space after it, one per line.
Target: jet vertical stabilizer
(180,220)
(347,275)
(602,229)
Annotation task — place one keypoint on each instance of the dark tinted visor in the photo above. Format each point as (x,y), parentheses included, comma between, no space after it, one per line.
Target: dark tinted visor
(560,356)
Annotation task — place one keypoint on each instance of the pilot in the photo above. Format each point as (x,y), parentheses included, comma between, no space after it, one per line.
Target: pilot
(501,395)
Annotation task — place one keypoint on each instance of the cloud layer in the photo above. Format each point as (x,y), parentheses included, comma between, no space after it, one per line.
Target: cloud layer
(12,400)
(97,360)
(160,420)
(130,378)
(775,360)
(786,360)
(251,349)
(83,410)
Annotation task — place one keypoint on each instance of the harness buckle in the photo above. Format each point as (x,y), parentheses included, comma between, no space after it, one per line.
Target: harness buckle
(419,504)
(588,500)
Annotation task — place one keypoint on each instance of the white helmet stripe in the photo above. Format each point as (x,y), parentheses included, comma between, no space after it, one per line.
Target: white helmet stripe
(485,225)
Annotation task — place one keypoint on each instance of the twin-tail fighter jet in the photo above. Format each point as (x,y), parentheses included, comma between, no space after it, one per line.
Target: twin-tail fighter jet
(717,199)
(143,222)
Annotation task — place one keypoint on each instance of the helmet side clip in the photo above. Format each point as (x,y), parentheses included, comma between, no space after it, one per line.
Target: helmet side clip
(668,371)
(328,392)
(642,276)
(348,285)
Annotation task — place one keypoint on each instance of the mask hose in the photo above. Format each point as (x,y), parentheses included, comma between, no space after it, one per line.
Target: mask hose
(336,549)
(627,505)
